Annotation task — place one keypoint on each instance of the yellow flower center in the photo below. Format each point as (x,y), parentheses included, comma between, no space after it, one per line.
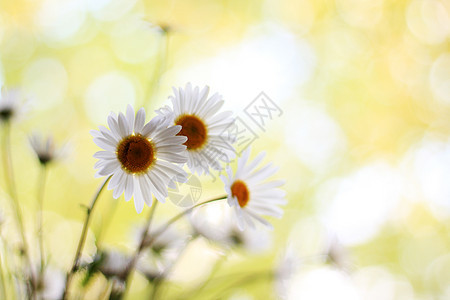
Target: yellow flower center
(194,129)
(240,191)
(136,153)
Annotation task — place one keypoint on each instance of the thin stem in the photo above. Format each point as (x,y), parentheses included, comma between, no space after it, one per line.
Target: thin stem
(2,279)
(9,178)
(160,67)
(130,268)
(144,245)
(7,264)
(40,197)
(76,260)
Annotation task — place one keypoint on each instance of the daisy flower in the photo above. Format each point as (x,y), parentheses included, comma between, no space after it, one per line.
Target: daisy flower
(44,149)
(250,195)
(143,159)
(168,241)
(112,263)
(203,125)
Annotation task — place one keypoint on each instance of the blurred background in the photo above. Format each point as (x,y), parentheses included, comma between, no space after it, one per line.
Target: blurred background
(362,131)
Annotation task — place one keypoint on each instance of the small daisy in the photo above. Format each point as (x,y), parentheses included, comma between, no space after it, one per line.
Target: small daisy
(203,125)
(250,195)
(143,159)
(214,222)
(44,148)
(10,104)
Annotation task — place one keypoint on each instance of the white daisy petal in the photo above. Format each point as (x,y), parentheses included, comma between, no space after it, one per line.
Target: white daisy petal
(107,134)
(104,155)
(154,190)
(114,126)
(129,187)
(108,169)
(138,201)
(124,129)
(145,190)
(94,133)
(116,179)
(140,120)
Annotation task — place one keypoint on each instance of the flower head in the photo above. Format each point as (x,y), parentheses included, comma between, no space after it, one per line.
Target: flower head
(10,106)
(214,222)
(203,125)
(250,195)
(167,241)
(44,148)
(143,159)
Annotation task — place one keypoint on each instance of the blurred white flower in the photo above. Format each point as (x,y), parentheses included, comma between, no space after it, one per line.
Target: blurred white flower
(11,104)
(203,126)
(142,158)
(220,228)
(168,241)
(250,195)
(149,267)
(337,255)
(113,263)
(44,149)
(52,285)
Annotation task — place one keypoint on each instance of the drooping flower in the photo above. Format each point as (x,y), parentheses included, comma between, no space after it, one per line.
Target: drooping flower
(112,263)
(10,104)
(51,285)
(214,222)
(203,125)
(167,241)
(250,194)
(143,159)
(44,149)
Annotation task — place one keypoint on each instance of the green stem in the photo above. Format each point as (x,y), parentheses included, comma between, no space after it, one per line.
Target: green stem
(9,178)
(143,245)
(130,268)
(81,242)
(40,197)
(7,265)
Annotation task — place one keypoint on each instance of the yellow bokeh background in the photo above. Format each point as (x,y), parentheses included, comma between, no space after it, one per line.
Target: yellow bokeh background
(362,141)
